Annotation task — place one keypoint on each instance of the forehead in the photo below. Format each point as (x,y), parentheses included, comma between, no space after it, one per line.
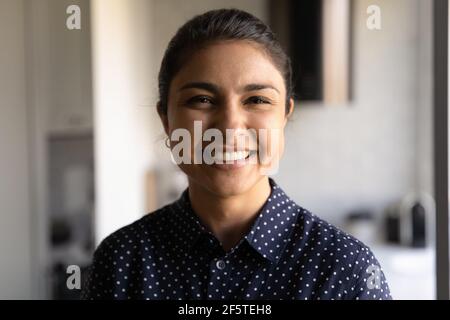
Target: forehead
(230,64)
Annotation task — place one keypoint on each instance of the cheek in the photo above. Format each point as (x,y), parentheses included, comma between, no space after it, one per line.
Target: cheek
(281,144)
(272,137)
(272,120)
(180,117)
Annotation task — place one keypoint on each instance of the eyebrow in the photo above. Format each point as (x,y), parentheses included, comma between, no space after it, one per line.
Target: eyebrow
(215,89)
(259,86)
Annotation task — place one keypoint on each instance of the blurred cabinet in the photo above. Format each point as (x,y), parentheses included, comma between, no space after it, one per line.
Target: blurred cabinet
(69,70)
(71,207)
(316,34)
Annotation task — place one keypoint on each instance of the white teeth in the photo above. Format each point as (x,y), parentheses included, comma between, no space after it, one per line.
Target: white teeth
(231,156)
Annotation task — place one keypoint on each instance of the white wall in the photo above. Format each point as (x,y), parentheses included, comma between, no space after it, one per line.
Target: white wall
(368,152)
(15,225)
(121,55)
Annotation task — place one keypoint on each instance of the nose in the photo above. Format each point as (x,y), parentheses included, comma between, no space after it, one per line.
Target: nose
(230,115)
(232,121)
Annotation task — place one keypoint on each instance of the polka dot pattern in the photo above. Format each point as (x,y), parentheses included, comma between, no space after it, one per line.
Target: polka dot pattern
(289,253)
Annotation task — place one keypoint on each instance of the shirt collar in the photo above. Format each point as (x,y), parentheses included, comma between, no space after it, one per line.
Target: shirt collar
(269,233)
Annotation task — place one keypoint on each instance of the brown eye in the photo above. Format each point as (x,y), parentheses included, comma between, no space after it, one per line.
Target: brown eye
(203,100)
(200,101)
(257,100)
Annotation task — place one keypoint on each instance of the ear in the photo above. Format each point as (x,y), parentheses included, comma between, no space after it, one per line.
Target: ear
(164,118)
(291,109)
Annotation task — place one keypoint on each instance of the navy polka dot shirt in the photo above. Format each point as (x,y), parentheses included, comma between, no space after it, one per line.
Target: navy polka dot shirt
(289,253)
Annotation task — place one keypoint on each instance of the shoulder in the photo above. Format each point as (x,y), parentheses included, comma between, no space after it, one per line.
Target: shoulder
(326,235)
(119,251)
(136,234)
(350,262)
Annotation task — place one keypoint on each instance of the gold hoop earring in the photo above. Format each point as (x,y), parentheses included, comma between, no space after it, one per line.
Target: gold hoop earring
(167,142)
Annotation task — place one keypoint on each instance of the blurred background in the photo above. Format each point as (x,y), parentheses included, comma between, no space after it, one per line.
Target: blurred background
(82,149)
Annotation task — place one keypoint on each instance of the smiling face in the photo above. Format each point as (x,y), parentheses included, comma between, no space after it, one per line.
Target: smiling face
(229,85)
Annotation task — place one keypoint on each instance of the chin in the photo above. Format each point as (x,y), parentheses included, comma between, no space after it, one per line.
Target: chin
(229,188)
(223,183)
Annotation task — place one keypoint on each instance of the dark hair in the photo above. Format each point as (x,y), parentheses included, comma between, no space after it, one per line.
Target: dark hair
(218,25)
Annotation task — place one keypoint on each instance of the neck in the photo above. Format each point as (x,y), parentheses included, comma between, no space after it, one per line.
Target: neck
(229,218)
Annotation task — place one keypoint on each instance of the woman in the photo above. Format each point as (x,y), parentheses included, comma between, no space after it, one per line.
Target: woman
(233,233)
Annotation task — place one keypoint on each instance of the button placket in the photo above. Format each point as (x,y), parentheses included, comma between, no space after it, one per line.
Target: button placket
(217,284)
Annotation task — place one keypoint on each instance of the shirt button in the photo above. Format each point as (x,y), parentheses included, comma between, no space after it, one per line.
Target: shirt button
(220,264)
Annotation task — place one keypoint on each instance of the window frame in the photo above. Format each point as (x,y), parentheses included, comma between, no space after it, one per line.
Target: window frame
(440,74)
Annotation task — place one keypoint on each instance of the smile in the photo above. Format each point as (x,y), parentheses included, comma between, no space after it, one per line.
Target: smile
(231,156)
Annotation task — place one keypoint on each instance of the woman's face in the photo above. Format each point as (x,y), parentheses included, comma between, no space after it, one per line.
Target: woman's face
(229,85)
